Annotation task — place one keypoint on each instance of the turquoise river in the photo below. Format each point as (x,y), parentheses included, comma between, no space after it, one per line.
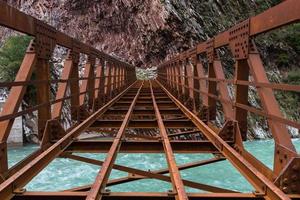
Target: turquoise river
(65,173)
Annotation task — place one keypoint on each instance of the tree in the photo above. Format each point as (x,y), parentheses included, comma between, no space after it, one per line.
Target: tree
(11,56)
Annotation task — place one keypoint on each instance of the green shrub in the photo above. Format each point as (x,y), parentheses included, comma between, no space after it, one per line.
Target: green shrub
(290,101)
(283,59)
(293,37)
(293,77)
(11,56)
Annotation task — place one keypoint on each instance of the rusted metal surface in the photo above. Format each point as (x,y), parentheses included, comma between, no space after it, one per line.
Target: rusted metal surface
(213,88)
(177,183)
(174,114)
(101,180)
(258,180)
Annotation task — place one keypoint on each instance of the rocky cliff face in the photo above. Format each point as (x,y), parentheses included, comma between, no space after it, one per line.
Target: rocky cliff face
(142,32)
(146,32)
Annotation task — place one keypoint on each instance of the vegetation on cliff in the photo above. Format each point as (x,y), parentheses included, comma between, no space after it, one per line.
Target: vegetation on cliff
(147,32)
(11,56)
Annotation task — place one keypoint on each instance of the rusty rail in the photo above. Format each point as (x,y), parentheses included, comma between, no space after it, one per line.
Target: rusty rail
(184,75)
(173,114)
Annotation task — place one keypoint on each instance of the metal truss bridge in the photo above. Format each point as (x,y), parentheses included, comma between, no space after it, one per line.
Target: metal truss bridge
(175,113)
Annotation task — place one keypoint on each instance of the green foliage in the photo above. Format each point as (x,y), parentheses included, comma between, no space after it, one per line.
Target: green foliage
(293,38)
(264,5)
(289,35)
(290,101)
(283,59)
(11,56)
(282,48)
(293,77)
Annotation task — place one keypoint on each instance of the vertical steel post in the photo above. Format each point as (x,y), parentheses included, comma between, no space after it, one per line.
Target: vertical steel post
(43,94)
(212,89)
(241,95)
(62,87)
(74,84)
(223,90)
(190,84)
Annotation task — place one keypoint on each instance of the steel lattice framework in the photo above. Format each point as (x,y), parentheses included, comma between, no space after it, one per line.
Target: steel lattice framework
(175,113)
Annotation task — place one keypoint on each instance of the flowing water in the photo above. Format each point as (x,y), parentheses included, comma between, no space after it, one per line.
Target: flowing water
(65,173)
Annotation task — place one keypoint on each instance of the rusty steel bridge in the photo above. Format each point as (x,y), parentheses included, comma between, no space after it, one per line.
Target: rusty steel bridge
(175,113)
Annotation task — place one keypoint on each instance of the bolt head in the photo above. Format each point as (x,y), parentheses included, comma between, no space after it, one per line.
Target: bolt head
(285,189)
(295,168)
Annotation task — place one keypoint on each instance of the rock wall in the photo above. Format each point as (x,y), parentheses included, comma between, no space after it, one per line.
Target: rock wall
(142,32)
(146,32)
(16,135)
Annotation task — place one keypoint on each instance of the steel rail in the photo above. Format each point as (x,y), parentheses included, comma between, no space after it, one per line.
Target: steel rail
(184,133)
(103,175)
(45,104)
(134,196)
(248,108)
(275,86)
(139,195)
(25,174)
(177,182)
(261,183)
(15,168)
(37,82)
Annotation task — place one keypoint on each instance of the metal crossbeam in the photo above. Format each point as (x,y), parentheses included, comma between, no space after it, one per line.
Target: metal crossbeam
(112,112)
(102,177)
(178,187)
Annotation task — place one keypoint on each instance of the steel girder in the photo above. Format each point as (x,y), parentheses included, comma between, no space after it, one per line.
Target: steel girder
(174,114)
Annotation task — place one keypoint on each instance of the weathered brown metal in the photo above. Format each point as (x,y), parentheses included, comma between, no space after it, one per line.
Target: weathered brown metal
(161,171)
(178,187)
(143,146)
(140,174)
(258,180)
(27,172)
(102,177)
(270,105)
(88,84)
(182,103)
(62,88)
(239,40)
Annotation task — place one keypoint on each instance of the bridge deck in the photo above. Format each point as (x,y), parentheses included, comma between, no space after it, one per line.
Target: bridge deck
(111,112)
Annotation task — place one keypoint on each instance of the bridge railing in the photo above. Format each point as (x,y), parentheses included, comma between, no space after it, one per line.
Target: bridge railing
(197,78)
(103,78)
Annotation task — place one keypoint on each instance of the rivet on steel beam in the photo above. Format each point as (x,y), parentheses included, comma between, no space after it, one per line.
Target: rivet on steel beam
(295,168)
(106,191)
(285,181)
(285,189)
(258,193)
(171,193)
(19,190)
